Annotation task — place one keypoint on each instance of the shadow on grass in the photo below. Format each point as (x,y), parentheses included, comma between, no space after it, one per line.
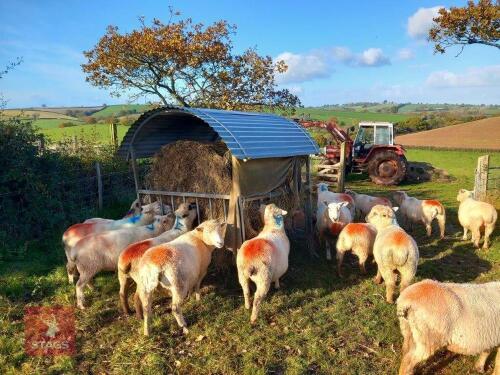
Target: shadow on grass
(461,265)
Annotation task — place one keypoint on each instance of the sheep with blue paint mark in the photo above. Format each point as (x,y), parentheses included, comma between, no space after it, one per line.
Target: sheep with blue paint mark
(100,252)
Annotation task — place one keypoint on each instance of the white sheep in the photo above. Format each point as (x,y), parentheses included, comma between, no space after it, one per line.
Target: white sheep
(78,231)
(100,252)
(364,203)
(128,262)
(463,318)
(179,266)
(135,209)
(358,238)
(263,259)
(474,215)
(393,250)
(324,195)
(332,217)
(414,210)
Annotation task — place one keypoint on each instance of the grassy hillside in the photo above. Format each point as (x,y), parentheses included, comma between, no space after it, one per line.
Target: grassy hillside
(316,323)
(53,123)
(36,114)
(114,110)
(349,117)
(100,132)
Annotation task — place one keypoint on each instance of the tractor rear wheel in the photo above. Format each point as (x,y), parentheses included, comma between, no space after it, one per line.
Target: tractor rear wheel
(387,168)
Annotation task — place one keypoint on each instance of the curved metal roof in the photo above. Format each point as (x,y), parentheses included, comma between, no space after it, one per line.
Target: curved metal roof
(248,135)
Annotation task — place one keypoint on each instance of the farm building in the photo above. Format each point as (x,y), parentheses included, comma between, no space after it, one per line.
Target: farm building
(264,154)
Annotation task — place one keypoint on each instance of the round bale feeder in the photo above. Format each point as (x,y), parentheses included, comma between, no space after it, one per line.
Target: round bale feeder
(226,162)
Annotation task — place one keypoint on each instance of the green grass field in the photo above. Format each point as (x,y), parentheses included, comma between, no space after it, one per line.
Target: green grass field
(98,131)
(44,124)
(316,323)
(349,117)
(113,110)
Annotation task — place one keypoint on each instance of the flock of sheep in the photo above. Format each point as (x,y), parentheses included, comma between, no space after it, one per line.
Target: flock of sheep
(154,251)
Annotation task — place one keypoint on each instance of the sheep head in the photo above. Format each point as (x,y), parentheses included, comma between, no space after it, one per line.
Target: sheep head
(382,216)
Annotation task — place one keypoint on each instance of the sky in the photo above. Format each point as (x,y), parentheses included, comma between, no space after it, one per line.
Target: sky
(336,51)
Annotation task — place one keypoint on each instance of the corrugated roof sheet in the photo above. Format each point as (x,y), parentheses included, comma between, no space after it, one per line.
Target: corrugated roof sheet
(248,135)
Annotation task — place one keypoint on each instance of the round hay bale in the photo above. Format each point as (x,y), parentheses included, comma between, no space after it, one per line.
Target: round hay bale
(189,166)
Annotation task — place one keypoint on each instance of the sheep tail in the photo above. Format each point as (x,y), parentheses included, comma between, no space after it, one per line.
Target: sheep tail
(399,257)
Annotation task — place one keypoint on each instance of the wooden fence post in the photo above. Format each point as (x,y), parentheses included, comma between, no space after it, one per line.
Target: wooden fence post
(75,144)
(99,185)
(114,134)
(341,172)
(481,177)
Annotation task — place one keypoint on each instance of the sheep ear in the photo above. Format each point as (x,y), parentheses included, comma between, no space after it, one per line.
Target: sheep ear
(395,209)
(325,203)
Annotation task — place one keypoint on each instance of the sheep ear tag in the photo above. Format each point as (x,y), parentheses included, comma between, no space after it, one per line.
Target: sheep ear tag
(150,226)
(278,220)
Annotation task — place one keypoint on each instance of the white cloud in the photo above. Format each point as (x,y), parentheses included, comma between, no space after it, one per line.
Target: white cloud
(320,63)
(373,57)
(473,77)
(303,68)
(405,54)
(420,22)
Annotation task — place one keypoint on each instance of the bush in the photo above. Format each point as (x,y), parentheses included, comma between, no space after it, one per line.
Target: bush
(90,120)
(41,191)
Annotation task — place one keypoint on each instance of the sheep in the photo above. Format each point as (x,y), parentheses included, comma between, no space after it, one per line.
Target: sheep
(474,215)
(463,318)
(135,209)
(100,252)
(329,196)
(263,259)
(414,210)
(358,238)
(179,266)
(393,250)
(332,217)
(128,261)
(364,203)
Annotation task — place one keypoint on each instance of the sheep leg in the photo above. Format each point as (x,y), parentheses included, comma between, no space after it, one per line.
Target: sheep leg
(362,262)
(476,236)
(245,285)
(464,237)
(428,227)
(409,361)
(197,287)
(390,284)
(124,288)
(442,224)
(407,276)
(488,229)
(80,285)
(147,310)
(138,306)
(328,250)
(72,271)
(481,361)
(496,371)
(262,288)
(177,299)
(277,284)
(378,278)
(340,258)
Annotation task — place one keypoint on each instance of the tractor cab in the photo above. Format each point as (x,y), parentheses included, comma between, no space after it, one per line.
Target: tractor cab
(371,134)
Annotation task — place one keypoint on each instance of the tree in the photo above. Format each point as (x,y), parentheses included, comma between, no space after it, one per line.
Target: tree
(474,24)
(186,64)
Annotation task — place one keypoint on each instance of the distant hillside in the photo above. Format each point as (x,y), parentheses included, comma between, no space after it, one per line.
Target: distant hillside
(348,118)
(480,134)
(121,110)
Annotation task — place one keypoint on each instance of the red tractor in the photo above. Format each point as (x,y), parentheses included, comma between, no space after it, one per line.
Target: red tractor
(372,151)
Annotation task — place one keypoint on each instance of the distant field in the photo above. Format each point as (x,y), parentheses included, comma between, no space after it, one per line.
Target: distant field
(98,131)
(350,117)
(481,134)
(64,110)
(114,110)
(32,113)
(53,123)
